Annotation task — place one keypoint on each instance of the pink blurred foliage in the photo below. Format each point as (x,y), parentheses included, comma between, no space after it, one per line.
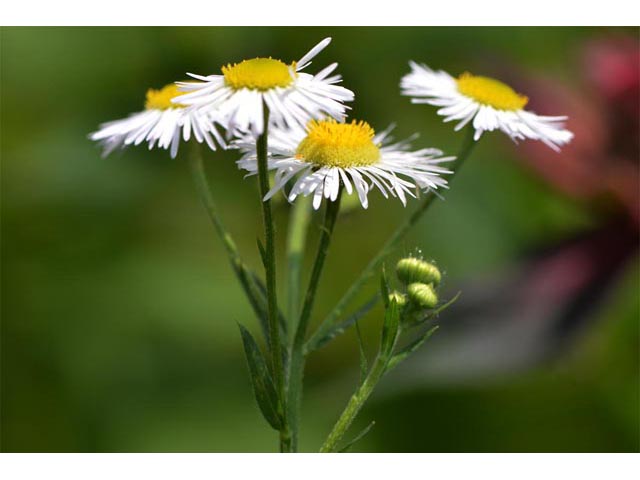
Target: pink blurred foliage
(513,319)
(601,165)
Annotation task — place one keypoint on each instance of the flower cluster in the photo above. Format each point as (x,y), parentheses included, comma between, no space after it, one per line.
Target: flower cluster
(311,143)
(293,124)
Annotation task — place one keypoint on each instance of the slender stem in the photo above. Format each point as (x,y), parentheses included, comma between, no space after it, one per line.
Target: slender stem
(391,243)
(275,346)
(296,240)
(356,402)
(296,364)
(202,185)
(204,191)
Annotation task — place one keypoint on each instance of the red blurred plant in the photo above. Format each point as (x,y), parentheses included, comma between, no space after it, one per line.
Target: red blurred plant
(601,165)
(523,315)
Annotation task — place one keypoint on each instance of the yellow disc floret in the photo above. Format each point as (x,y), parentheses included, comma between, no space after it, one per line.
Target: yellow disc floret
(489,91)
(161,99)
(259,74)
(332,144)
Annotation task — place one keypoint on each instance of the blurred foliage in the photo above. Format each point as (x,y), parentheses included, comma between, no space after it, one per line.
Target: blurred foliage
(119,309)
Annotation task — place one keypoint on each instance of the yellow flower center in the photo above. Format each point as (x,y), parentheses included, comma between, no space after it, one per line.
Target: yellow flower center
(259,74)
(489,91)
(332,144)
(161,99)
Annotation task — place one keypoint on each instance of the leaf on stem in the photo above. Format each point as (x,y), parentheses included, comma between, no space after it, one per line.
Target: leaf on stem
(409,349)
(263,308)
(435,312)
(263,252)
(357,438)
(390,329)
(364,366)
(253,287)
(319,341)
(263,388)
(384,288)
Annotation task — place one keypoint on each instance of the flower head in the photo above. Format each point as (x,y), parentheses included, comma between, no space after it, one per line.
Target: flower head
(162,122)
(489,103)
(327,154)
(292,97)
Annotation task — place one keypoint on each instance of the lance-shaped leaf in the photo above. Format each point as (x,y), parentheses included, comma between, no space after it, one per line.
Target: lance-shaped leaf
(364,365)
(263,387)
(264,319)
(357,438)
(320,339)
(435,312)
(384,288)
(263,252)
(411,348)
(390,329)
(251,284)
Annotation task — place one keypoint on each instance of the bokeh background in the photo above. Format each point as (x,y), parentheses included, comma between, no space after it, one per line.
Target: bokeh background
(119,309)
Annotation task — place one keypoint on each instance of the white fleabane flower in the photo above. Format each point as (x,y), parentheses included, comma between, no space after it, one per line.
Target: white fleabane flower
(490,103)
(327,153)
(293,97)
(162,123)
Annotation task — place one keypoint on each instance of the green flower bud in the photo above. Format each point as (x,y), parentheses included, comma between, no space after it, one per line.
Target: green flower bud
(414,270)
(400,298)
(423,294)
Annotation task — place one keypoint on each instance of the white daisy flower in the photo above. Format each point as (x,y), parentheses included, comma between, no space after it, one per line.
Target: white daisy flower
(161,123)
(328,154)
(293,97)
(490,103)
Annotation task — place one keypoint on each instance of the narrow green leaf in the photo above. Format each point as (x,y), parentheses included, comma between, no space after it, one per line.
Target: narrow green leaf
(434,313)
(251,284)
(364,366)
(411,348)
(357,438)
(320,339)
(390,329)
(263,387)
(384,288)
(263,290)
(263,252)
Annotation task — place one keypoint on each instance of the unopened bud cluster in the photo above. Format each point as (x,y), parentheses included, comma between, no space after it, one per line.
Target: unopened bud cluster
(420,278)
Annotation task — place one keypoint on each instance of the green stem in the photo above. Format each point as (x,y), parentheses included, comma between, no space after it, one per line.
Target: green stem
(296,364)
(355,404)
(204,191)
(296,240)
(202,185)
(375,263)
(270,274)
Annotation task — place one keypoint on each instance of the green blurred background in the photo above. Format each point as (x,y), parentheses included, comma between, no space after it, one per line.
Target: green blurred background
(119,309)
